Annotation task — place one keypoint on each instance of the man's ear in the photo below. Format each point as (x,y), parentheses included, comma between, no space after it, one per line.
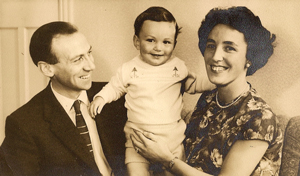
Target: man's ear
(136,42)
(46,68)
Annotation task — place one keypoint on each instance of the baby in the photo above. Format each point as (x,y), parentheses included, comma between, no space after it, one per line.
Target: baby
(152,84)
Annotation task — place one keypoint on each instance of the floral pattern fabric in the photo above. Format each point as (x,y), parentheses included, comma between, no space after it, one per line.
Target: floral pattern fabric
(213,131)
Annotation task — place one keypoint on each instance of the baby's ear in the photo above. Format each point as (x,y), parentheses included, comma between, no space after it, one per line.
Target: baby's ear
(46,69)
(136,42)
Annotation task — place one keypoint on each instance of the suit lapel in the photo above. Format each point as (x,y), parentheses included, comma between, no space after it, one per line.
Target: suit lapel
(64,128)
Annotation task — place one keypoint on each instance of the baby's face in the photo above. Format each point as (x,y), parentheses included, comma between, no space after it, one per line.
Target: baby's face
(156,42)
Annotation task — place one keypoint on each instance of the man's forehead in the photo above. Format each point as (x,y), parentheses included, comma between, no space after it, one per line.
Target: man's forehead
(70,45)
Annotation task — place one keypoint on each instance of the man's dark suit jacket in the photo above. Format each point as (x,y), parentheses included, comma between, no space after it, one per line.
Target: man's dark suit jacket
(42,140)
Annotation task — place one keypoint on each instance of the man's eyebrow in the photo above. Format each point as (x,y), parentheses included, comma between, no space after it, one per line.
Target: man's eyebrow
(81,54)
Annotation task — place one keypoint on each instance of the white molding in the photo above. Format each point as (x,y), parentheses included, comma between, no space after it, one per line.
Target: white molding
(23,66)
(65,10)
(2,119)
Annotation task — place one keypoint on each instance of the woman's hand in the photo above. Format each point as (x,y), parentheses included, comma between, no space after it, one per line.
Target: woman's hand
(155,149)
(151,147)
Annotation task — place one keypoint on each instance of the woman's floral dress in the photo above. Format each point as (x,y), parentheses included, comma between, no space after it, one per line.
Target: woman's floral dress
(213,131)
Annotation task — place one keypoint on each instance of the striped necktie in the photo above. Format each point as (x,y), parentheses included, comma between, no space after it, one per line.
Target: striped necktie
(81,126)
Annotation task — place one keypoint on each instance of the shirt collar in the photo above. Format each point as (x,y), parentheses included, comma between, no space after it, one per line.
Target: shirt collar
(67,103)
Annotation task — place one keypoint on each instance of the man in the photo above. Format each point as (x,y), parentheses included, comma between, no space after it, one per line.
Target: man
(44,137)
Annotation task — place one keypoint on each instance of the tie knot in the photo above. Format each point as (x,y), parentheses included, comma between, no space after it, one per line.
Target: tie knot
(77,106)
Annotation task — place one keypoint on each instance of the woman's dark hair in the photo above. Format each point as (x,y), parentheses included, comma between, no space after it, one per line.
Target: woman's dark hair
(41,41)
(155,14)
(259,40)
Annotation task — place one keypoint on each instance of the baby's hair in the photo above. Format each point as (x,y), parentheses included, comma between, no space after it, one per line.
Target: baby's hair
(155,14)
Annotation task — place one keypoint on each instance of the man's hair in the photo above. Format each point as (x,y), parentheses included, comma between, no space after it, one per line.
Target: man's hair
(157,14)
(259,40)
(40,44)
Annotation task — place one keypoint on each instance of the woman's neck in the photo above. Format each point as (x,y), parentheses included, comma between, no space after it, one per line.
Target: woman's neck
(228,93)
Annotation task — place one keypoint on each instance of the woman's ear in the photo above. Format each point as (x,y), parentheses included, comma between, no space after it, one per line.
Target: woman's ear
(248,64)
(136,42)
(46,68)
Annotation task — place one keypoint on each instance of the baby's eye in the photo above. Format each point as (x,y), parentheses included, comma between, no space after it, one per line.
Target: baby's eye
(150,40)
(167,42)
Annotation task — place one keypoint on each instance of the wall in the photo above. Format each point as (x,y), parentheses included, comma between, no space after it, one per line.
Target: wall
(109,28)
(108,25)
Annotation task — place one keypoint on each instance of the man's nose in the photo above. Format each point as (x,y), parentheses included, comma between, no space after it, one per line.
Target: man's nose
(89,63)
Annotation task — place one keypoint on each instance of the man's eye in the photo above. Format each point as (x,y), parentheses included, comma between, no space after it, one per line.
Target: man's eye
(79,59)
(90,52)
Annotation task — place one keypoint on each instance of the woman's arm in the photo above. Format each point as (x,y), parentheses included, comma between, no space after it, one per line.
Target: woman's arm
(241,159)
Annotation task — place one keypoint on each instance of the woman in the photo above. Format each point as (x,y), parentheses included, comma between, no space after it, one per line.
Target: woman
(232,130)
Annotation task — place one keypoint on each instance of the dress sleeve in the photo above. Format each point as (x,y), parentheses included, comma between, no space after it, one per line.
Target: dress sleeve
(262,123)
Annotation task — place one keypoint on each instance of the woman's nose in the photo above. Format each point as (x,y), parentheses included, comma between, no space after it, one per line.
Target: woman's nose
(218,55)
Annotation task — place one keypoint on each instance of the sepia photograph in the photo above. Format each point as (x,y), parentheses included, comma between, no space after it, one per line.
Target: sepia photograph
(149,87)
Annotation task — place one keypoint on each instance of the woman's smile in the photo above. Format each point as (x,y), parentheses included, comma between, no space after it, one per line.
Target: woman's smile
(218,69)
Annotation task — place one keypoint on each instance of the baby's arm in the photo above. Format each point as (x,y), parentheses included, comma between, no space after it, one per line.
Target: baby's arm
(96,106)
(195,84)
(110,92)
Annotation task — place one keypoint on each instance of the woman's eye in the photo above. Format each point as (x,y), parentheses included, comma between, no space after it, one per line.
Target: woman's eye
(210,46)
(229,48)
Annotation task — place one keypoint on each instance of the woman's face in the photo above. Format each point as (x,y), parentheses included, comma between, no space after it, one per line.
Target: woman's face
(225,55)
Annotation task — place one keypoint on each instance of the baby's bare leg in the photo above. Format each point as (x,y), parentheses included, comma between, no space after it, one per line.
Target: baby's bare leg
(138,169)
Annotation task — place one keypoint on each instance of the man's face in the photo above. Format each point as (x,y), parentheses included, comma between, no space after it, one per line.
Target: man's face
(72,73)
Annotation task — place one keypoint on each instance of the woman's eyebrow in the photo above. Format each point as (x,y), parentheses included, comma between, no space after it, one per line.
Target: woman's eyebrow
(230,43)
(210,40)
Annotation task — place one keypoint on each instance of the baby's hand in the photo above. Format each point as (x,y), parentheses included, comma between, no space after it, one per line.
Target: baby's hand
(96,106)
(191,78)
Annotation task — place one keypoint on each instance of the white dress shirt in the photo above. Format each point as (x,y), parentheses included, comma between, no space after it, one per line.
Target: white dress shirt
(67,104)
